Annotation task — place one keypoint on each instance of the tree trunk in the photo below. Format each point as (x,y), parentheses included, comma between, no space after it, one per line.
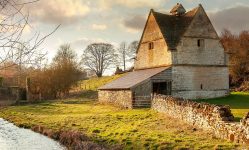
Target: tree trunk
(124,59)
(99,74)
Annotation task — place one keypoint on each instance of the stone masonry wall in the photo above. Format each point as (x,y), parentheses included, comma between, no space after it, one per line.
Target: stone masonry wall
(199,82)
(188,52)
(121,98)
(159,56)
(217,119)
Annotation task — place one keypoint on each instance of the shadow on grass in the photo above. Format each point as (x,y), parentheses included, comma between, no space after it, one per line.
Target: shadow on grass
(237,119)
(85,94)
(237,100)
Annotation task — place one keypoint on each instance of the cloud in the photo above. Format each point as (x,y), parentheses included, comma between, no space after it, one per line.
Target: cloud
(134,24)
(104,4)
(234,19)
(58,11)
(99,26)
(82,43)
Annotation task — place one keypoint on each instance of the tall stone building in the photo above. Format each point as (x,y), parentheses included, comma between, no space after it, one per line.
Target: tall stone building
(179,54)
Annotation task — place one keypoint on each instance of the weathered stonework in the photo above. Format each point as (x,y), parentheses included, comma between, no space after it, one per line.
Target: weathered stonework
(121,98)
(197,71)
(188,52)
(159,55)
(189,47)
(199,82)
(217,119)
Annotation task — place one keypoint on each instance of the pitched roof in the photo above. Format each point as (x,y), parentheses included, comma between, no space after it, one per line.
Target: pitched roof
(131,79)
(173,26)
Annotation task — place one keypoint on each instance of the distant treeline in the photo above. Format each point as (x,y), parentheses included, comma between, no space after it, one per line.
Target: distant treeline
(237,45)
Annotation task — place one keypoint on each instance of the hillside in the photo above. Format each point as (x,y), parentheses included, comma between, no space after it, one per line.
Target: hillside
(94,83)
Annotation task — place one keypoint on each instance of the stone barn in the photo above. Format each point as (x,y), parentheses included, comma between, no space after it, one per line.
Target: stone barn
(180,55)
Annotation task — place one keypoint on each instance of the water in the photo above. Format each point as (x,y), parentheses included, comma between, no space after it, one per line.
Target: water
(15,138)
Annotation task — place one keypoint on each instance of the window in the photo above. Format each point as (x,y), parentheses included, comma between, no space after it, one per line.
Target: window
(200,43)
(201,86)
(151,45)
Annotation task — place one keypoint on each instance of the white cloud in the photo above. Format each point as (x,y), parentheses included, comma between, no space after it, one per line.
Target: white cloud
(99,26)
(104,4)
(84,42)
(58,11)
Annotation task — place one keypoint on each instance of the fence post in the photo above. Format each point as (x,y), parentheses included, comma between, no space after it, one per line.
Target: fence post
(28,88)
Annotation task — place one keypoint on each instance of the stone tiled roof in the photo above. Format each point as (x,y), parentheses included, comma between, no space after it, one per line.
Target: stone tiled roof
(173,26)
(131,79)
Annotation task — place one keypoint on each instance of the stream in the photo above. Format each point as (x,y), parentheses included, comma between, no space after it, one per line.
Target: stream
(15,138)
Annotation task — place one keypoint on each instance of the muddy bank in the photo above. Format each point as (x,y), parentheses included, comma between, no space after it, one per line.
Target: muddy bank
(71,139)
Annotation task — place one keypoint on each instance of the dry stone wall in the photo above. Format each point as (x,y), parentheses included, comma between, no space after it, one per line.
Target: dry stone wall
(217,119)
(121,98)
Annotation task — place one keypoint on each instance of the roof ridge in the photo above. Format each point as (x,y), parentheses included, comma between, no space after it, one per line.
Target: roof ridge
(193,10)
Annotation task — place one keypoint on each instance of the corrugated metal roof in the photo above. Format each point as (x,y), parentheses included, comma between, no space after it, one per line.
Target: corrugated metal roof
(131,79)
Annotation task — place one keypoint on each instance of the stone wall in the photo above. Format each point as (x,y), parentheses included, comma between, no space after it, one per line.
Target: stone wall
(217,119)
(159,56)
(188,52)
(121,98)
(199,82)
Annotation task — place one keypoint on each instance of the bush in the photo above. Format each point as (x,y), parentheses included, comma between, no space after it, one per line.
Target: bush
(244,87)
(57,79)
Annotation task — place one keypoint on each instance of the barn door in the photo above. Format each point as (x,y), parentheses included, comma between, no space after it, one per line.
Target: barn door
(163,88)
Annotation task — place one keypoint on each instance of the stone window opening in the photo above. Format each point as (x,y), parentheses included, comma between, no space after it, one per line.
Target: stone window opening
(201,86)
(200,43)
(151,45)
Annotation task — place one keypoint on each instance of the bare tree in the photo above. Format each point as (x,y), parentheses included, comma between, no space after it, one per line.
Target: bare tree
(13,47)
(123,53)
(133,49)
(99,57)
(126,53)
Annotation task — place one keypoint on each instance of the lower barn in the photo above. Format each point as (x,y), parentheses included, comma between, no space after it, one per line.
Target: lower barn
(137,88)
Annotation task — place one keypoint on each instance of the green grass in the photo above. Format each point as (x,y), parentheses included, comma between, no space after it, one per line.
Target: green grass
(95,83)
(238,101)
(109,125)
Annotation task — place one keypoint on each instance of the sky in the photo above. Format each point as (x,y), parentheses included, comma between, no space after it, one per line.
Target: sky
(113,21)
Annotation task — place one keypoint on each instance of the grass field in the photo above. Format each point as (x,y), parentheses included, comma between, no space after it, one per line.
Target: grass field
(95,83)
(133,129)
(108,125)
(238,101)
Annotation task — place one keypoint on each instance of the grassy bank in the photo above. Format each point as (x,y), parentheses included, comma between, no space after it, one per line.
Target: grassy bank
(108,125)
(238,101)
(95,83)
